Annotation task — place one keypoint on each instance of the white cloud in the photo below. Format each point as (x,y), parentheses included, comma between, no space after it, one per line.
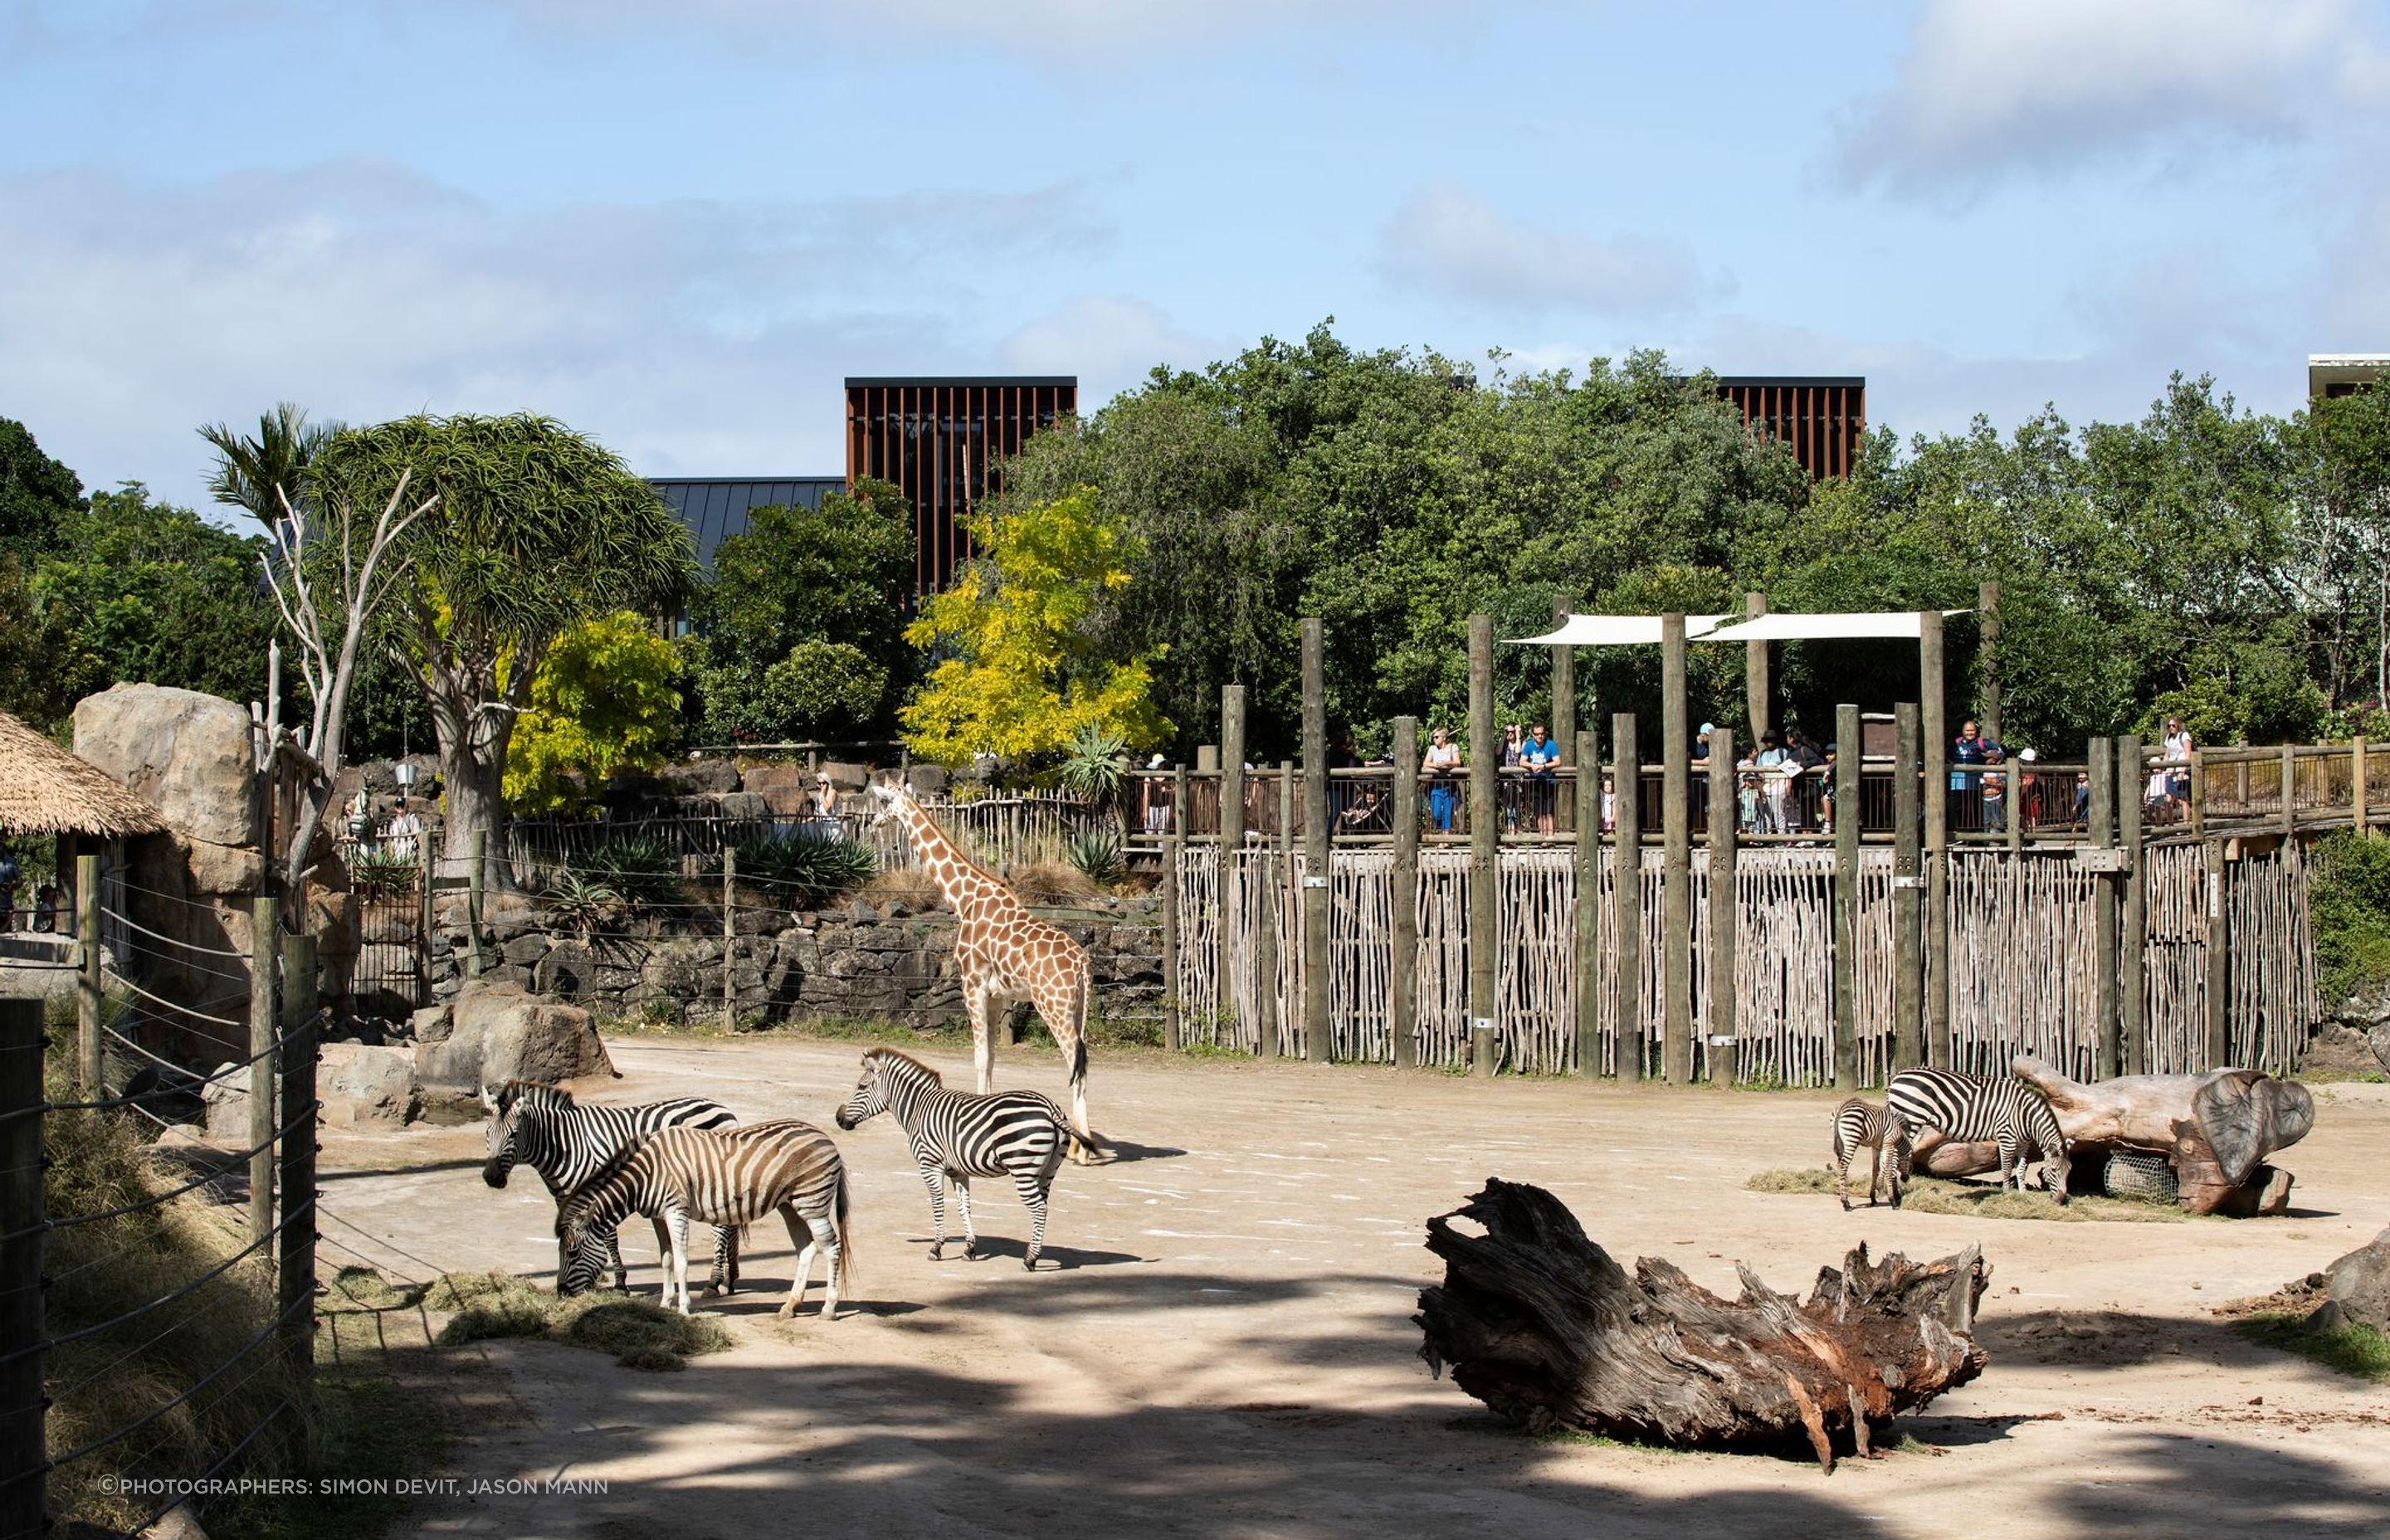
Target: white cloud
(1995,87)
(1110,342)
(693,336)
(1449,241)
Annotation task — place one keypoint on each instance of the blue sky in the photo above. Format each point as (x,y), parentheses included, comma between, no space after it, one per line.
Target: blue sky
(679,226)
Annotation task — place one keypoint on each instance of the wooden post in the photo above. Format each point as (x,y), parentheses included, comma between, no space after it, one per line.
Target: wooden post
(473,880)
(1718,1053)
(2360,818)
(1232,846)
(265,1028)
(88,981)
(2132,962)
(1909,890)
(1933,725)
(1266,948)
(297,1287)
(1988,618)
(1677,859)
(1174,846)
(2219,977)
(1563,724)
(1627,894)
(1758,674)
(1403,947)
(1587,957)
(2013,771)
(729,935)
(23,1431)
(1319,1040)
(2198,797)
(2105,1056)
(1847,897)
(2290,790)
(1289,894)
(1484,835)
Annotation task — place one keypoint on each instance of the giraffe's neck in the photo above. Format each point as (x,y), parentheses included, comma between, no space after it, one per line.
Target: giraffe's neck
(965,886)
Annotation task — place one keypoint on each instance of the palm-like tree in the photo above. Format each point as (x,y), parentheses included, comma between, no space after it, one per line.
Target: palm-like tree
(259,473)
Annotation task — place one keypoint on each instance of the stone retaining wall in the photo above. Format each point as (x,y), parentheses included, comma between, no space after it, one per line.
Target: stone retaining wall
(889,964)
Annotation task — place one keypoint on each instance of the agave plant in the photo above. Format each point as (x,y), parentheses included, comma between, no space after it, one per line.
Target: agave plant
(1092,765)
(581,901)
(642,870)
(374,874)
(803,872)
(1097,854)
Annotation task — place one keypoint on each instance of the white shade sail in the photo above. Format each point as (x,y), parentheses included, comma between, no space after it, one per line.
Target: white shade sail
(1863,625)
(1617,631)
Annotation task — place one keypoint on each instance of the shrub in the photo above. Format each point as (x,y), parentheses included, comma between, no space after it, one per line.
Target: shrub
(641,869)
(802,872)
(1051,882)
(2348,907)
(1097,854)
(375,873)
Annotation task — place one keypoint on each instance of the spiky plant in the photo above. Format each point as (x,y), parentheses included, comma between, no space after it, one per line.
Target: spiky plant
(1097,854)
(803,872)
(642,870)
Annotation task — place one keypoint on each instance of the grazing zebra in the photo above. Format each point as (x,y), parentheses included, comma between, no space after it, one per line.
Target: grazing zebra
(543,1127)
(1968,1109)
(957,1135)
(728,1177)
(1860,1124)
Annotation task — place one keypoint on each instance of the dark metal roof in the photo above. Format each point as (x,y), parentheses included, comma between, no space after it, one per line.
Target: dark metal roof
(717,508)
(1846,381)
(880,381)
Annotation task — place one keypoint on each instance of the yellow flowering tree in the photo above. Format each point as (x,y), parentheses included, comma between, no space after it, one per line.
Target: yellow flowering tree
(603,700)
(1019,673)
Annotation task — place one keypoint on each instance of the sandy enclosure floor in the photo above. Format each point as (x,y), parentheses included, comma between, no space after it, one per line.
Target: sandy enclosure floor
(1227,1349)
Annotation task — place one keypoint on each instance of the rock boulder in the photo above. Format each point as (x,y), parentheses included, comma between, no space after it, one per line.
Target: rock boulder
(364,1085)
(515,1034)
(2338,1048)
(2359,1284)
(189,753)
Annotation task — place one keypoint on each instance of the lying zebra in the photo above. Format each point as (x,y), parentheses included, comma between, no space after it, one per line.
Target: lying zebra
(728,1177)
(1967,1108)
(957,1135)
(1860,1124)
(543,1127)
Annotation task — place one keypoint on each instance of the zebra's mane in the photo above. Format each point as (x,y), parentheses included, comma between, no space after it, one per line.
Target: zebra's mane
(581,1199)
(899,1055)
(535,1093)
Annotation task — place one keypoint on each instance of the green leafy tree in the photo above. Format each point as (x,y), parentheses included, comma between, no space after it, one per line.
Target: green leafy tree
(1021,673)
(535,528)
(36,495)
(2340,451)
(602,702)
(267,473)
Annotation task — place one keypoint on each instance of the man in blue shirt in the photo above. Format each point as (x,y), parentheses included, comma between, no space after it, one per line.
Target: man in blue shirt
(1538,755)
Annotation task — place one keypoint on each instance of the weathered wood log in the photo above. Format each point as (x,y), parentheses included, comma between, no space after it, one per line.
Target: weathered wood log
(1541,1325)
(2217,1128)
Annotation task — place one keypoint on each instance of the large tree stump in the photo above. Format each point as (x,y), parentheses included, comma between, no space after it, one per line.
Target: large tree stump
(2216,1128)
(1537,1322)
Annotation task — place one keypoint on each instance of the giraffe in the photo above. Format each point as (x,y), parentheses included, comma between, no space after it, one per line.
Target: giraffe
(1002,951)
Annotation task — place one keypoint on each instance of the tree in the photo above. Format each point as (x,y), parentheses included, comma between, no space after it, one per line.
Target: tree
(2341,450)
(602,702)
(802,633)
(536,528)
(267,474)
(36,495)
(1021,672)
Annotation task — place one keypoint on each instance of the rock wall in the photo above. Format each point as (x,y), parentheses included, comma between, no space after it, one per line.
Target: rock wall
(857,960)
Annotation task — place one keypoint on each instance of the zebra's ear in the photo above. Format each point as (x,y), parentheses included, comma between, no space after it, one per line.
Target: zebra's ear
(489,1099)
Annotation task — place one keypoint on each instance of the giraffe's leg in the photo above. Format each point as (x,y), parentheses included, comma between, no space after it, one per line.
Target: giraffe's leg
(1064,1008)
(1034,1186)
(962,1200)
(935,1181)
(801,1236)
(980,1006)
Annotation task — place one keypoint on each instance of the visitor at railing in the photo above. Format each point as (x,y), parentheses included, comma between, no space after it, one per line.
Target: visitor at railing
(1370,813)
(1540,755)
(1441,764)
(1995,789)
(404,834)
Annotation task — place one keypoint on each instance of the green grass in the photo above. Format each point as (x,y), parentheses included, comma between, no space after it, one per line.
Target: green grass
(1934,1195)
(2341,1077)
(2358,1351)
(639,1333)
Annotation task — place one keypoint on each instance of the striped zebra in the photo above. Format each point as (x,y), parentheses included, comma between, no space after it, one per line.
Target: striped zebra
(956,1136)
(543,1127)
(1970,1109)
(1860,1124)
(728,1177)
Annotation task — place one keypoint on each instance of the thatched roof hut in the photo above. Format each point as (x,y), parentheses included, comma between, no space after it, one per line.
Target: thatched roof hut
(47,790)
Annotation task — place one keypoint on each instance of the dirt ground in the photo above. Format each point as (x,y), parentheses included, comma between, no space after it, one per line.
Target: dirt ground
(1226,1348)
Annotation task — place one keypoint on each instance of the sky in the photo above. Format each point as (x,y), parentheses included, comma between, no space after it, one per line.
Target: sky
(678,224)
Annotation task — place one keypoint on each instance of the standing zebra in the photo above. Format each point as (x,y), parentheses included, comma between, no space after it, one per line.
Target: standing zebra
(957,1135)
(1860,1124)
(543,1127)
(728,1177)
(1970,1109)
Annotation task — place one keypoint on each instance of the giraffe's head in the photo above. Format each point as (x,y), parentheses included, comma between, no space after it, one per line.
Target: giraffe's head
(888,795)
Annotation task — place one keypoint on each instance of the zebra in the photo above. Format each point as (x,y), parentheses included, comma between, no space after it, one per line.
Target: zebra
(543,1127)
(1968,1108)
(728,1177)
(957,1135)
(1860,1124)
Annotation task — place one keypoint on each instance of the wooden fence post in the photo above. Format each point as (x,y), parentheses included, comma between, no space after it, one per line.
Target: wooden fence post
(2102,762)
(2359,817)
(1719,1052)
(2014,772)
(1758,684)
(729,935)
(88,979)
(265,1029)
(2219,962)
(1933,724)
(1909,1047)
(1232,849)
(2132,962)
(1847,897)
(1627,894)
(1173,845)
(1265,947)
(23,1432)
(1987,630)
(1677,859)
(1484,837)
(1587,957)
(2198,797)
(1319,1038)
(1563,686)
(1404,944)
(2289,791)
(1288,896)
(474,868)
(296,1290)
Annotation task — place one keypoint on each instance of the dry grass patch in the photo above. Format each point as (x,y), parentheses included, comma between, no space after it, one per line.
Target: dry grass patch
(1981,1200)
(639,1333)
(907,885)
(1052,882)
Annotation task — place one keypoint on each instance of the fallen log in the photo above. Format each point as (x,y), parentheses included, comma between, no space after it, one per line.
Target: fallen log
(2216,1128)
(1541,1325)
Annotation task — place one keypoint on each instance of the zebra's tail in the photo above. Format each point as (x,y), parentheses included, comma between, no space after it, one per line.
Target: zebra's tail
(1080,1144)
(845,1233)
